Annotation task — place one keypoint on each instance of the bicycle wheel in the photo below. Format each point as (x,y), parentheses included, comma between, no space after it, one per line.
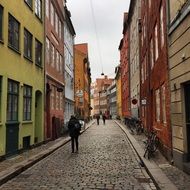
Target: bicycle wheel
(154,144)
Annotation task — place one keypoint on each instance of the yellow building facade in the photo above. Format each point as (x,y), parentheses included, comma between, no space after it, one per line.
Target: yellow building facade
(21,74)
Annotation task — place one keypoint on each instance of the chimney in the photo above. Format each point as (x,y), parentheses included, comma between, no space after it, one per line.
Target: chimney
(105,77)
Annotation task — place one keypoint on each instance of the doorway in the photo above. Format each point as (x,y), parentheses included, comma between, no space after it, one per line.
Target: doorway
(38,117)
(187,115)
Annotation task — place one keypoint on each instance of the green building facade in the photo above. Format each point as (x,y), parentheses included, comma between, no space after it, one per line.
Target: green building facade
(21,74)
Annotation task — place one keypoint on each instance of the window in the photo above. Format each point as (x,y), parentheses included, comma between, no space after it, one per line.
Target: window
(38,8)
(56,23)
(57,99)
(163,103)
(57,60)
(13,33)
(1,22)
(151,53)
(149,3)
(142,73)
(27,44)
(52,98)
(27,103)
(53,56)
(12,101)
(61,63)
(157,105)
(38,53)
(47,8)
(61,102)
(60,29)
(156,41)
(47,50)
(162,26)
(52,15)
(29,2)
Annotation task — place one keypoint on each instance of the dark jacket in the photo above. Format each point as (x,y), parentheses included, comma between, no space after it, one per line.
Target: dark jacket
(73,131)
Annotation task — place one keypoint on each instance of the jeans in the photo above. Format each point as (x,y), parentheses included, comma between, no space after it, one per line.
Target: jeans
(74,141)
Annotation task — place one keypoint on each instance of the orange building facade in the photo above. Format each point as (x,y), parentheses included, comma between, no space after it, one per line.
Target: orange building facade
(82,82)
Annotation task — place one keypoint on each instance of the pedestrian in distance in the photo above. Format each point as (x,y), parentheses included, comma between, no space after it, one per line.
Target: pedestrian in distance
(74,131)
(98,119)
(104,119)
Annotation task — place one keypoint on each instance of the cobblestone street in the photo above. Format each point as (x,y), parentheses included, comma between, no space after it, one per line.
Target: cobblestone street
(105,160)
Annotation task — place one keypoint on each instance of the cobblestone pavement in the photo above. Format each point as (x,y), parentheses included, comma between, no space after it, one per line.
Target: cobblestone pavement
(26,155)
(105,160)
(177,176)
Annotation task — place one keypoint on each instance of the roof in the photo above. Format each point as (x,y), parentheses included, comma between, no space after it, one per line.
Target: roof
(82,48)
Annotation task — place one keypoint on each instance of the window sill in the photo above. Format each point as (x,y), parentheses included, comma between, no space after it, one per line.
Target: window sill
(39,66)
(29,59)
(29,6)
(27,122)
(40,19)
(12,122)
(14,49)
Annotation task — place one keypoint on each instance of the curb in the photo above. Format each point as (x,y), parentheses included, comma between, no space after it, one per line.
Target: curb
(160,179)
(18,168)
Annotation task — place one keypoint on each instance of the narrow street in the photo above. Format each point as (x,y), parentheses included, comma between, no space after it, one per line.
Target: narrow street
(105,160)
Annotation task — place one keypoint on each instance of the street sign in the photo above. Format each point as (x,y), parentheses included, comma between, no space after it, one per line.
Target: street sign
(143,101)
(79,93)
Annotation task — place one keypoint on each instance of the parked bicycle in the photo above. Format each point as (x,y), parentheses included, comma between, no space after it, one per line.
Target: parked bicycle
(134,124)
(151,144)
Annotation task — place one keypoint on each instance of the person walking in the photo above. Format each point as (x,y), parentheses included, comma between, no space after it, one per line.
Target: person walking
(98,119)
(74,131)
(104,119)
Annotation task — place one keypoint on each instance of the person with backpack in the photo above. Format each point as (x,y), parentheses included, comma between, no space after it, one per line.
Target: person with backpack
(74,131)
(104,118)
(98,118)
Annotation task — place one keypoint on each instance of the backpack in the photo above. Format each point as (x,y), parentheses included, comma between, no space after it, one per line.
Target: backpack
(77,126)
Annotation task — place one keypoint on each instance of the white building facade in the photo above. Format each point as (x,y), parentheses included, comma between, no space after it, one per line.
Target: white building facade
(69,35)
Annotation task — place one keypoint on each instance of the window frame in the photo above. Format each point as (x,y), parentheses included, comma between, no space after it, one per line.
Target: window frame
(38,9)
(38,52)
(163,100)
(162,40)
(48,54)
(157,101)
(156,41)
(11,97)
(52,14)
(29,3)
(27,103)
(1,22)
(29,35)
(151,52)
(47,8)
(13,32)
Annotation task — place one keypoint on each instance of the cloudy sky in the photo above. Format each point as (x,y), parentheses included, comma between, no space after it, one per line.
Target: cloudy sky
(101,30)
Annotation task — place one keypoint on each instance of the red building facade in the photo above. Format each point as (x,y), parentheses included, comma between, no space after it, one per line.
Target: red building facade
(54,68)
(155,96)
(124,55)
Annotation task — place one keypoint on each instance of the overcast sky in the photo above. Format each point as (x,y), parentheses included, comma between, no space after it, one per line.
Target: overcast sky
(102,32)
